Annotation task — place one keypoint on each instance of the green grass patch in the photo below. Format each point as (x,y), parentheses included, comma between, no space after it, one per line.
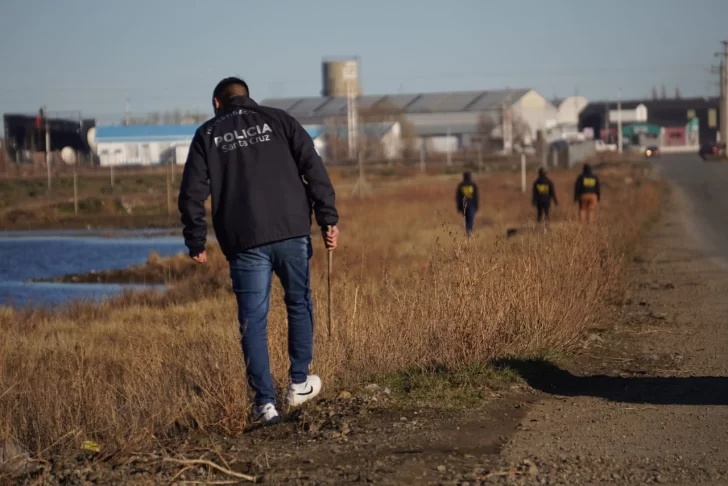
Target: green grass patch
(440,386)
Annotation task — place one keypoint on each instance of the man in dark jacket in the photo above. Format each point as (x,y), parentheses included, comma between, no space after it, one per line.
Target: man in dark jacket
(467,200)
(543,193)
(587,193)
(263,173)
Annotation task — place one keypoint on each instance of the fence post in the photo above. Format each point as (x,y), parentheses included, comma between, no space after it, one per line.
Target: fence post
(422,156)
(169,190)
(75,191)
(523,172)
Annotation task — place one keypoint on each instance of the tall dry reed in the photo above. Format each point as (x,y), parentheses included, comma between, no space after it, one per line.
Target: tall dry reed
(409,290)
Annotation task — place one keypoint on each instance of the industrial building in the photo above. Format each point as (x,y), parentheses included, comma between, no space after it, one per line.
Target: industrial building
(566,124)
(380,140)
(442,122)
(445,121)
(687,122)
(143,144)
(169,144)
(25,135)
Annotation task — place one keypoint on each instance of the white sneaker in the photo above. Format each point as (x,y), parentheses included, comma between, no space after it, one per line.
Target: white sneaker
(302,392)
(266,414)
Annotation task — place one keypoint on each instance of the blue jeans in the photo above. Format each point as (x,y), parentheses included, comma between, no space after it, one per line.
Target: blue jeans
(469,218)
(251,272)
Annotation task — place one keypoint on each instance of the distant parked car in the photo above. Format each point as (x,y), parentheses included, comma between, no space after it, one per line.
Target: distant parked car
(711,149)
(605,147)
(652,151)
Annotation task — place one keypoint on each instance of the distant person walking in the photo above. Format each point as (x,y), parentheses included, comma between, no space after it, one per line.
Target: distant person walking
(587,193)
(543,193)
(264,175)
(467,199)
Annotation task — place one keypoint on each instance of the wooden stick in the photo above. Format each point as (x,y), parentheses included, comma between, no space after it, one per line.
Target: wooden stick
(202,462)
(330,258)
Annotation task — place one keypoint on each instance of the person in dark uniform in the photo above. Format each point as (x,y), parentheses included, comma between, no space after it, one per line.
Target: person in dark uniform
(265,179)
(467,200)
(543,193)
(587,193)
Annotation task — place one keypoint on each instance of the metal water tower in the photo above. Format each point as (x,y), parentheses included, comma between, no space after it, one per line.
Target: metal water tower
(340,77)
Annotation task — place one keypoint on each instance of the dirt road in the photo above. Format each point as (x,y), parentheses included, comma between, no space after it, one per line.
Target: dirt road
(654,406)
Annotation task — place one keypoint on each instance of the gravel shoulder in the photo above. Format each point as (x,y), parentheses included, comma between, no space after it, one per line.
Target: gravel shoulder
(653,407)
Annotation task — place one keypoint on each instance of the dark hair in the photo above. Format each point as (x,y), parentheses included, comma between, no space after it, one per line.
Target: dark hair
(541,172)
(229,88)
(466,176)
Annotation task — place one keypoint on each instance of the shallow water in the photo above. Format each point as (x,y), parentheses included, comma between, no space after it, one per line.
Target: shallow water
(29,255)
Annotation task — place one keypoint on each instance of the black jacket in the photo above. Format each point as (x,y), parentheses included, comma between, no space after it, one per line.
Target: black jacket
(467,192)
(264,175)
(544,191)
(587,183)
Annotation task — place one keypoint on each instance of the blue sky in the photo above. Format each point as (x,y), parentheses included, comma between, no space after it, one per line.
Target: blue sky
(91,55)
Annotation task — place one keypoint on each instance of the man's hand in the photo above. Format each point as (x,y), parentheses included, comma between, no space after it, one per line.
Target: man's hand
(331,237)
(201,258)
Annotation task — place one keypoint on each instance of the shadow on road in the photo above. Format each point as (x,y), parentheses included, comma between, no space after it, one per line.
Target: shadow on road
(549,378)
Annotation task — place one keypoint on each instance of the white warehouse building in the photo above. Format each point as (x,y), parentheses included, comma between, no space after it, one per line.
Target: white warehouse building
(444,121)
(144,144)
(159,144)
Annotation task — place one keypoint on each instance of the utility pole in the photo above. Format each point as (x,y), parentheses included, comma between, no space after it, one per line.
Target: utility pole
(169,189)
(75,170)
(126,112)
(722,118)
(361,187)
(721,111)
(47,147)
(619,121)
(449,148)
(507,128)
(352,115)
(724,95)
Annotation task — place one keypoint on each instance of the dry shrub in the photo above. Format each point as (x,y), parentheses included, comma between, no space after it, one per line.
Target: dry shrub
(409,290)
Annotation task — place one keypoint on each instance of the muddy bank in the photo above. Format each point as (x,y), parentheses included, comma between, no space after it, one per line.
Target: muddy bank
(372,435)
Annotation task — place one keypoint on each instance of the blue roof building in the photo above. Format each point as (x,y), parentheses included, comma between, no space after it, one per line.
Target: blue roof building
(137,133)
(144,144)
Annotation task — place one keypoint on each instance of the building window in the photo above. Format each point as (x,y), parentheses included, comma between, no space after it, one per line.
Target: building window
(691,114)
(712,118)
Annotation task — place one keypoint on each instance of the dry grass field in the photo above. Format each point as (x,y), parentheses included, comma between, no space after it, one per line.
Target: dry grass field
(410,291)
